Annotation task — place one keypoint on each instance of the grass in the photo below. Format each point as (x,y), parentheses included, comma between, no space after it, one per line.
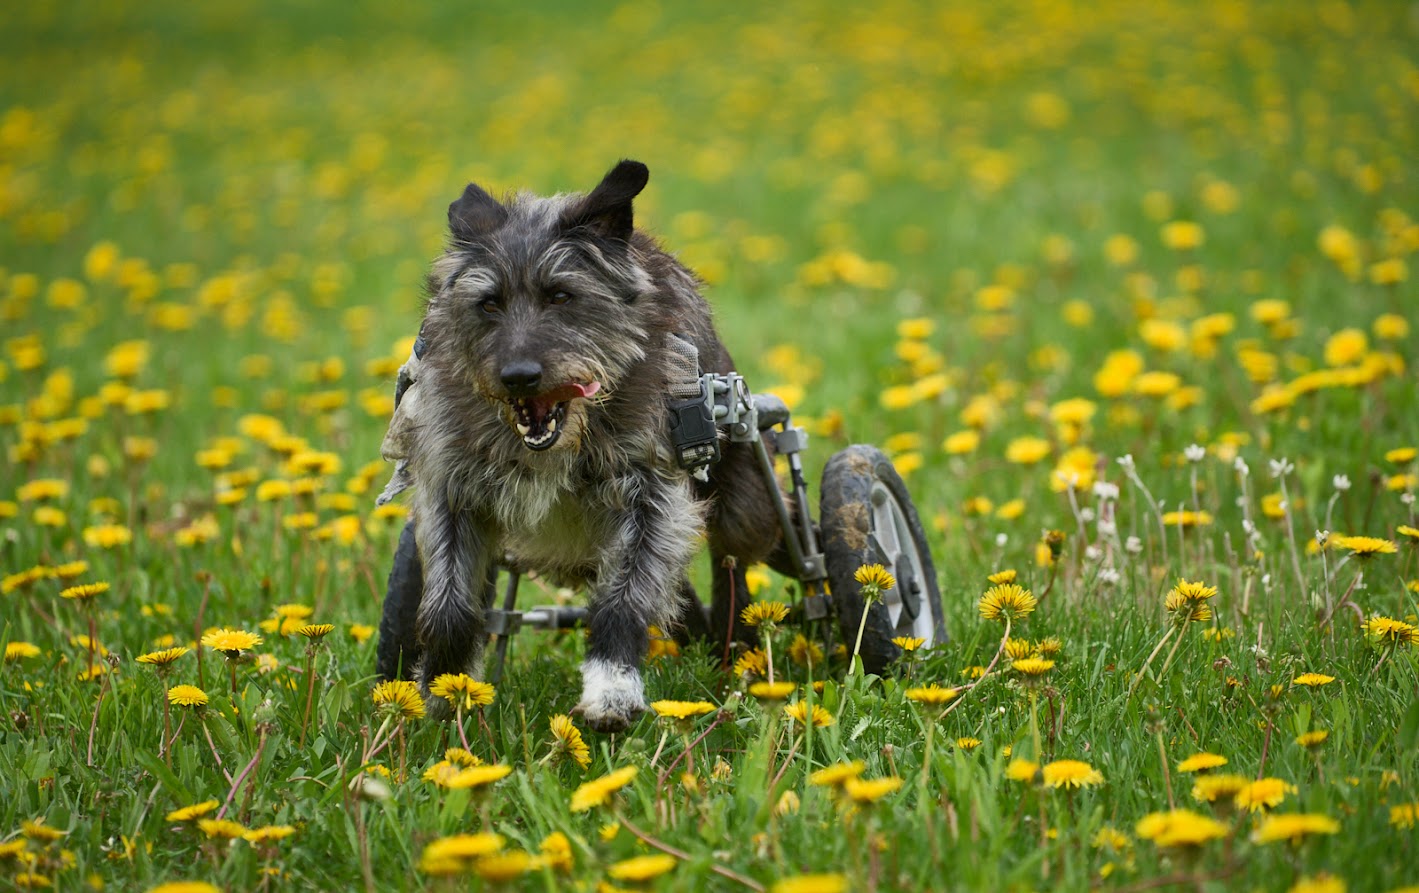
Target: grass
(914,222)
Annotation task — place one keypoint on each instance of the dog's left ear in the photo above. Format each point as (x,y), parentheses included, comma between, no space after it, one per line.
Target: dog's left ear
(606,210)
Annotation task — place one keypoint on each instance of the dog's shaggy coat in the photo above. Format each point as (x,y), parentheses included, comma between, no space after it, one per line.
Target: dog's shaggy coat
(542,433)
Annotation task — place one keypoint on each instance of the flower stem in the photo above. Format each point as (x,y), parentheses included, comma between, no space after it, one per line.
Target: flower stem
(309,691)
(1144,671)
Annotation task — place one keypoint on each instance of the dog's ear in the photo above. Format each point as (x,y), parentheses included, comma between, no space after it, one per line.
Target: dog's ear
(606,210)
(474,214)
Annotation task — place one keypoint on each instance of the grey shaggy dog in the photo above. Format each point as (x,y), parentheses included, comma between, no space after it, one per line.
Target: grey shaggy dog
(537,427)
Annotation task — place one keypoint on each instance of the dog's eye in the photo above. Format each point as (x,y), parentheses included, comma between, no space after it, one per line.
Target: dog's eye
(489,307)
(560,297)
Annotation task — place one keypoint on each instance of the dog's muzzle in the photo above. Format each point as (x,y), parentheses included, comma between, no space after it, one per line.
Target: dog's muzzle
(541,418)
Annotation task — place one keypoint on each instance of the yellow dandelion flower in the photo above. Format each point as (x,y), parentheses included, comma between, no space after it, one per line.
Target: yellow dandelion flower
(268,833)
(1365,546)
(1202,762)
(1321,883)
(187,696)
(556,849)
(1264,793)
(1001,577)
(1312,739)
(802,714)
(1019,649)
(772,691)
(835,775)
(751,663)
(1388,631)
(108,536)
(1313,680)
(1187,518)
(811,883)
(1071,774)
(1293,827)
(967,744)
(462,690)
(1022,770)
(1218,788)
(875,576)
(478,776)
(1026,450)
(682,709)
(361,632)
(36,829)
(1179,828)
(932,694)
(505,866)
(598,791)
(1006,601)
(907,643)
(764,612)
(642,868)
(463,846)
(804,652)
(315,631)
(1405,815)
(163,657)
(870,790)
(185,887)
(231,641)
(400,697)
(566,739)
(20,650)
(1033,666)
(221,828)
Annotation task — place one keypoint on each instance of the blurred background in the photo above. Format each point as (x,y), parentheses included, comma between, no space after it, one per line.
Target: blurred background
(253,191)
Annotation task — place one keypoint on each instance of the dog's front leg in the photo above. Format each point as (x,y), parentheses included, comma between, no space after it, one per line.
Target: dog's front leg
(456,548)
(639,585)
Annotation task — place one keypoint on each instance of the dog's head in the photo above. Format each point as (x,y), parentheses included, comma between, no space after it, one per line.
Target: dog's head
(536,303)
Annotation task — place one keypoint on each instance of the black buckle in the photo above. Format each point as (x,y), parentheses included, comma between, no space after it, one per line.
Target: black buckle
(693,432)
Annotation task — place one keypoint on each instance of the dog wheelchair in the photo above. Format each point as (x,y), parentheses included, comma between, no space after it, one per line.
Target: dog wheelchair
(866,517)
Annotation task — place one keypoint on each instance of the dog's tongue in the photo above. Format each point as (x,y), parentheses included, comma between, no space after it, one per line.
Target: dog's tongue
(569,391)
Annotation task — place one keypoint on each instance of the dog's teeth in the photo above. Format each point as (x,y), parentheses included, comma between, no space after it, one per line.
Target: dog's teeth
(552,424)
(524,430)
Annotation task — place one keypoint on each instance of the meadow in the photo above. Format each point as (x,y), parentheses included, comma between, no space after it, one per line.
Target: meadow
(1124,290)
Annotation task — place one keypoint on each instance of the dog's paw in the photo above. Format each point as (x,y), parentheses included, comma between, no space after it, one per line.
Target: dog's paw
(612,698)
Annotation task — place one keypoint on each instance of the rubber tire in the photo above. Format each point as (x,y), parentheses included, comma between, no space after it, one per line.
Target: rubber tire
(398,635)
(848,526)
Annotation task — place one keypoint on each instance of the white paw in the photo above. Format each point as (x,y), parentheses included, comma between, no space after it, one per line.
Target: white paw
(612,697)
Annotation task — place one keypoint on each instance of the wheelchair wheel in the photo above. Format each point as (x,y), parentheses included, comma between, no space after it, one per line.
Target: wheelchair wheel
(398,638)
(868,518)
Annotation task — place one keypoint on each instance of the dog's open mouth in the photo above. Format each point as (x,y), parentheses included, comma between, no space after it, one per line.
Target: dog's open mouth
(540,419)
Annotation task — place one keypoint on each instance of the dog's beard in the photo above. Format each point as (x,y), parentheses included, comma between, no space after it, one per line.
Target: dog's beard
(543,419)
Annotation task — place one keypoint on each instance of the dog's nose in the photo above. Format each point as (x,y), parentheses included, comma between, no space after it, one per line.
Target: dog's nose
(521,377)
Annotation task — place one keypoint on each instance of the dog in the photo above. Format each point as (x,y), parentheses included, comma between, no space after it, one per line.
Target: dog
(533,423)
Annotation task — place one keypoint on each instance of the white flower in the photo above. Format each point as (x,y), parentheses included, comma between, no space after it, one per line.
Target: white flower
(1001,539)
(1086,514)
(1133,544)
(1322,537)
(1340,482)
(1281,467)
(1265,581)
(1406,498)
(1093,553)
(1195,452)
(1126,461)
(1248,527)
(1108,528)
(1240,466)
(1109,577)
(1105,490)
